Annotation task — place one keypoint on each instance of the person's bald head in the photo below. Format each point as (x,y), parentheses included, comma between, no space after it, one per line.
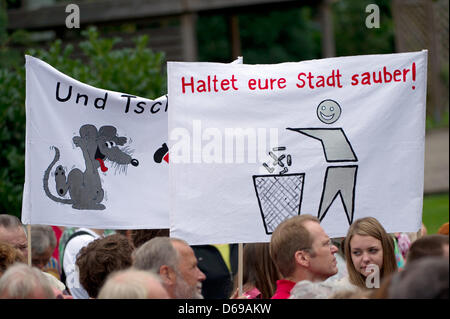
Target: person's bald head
(21,281)
(133,284)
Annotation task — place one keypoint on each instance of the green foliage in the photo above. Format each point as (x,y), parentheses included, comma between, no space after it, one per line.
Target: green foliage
(3,23)
(435,211)
(352,37)
(295,35)
(130,70)
(9,56)
(136,71)
(431,123)
(273,37)
(12,140)
(212,37)
(280,36)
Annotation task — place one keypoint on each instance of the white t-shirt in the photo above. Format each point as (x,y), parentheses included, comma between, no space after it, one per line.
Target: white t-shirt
(71,251)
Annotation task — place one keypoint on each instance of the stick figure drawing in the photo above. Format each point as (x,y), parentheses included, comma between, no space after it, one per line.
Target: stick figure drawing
(339,180)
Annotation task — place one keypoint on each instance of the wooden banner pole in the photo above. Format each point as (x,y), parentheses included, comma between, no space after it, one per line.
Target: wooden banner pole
(240,267)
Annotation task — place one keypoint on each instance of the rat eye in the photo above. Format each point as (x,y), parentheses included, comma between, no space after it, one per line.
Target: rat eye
(110,144)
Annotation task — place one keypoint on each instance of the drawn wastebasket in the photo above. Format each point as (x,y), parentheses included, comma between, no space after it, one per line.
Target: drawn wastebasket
(279,197)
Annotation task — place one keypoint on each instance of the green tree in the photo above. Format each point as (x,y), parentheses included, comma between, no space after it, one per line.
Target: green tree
(137,71)
(280,36)
(352,37)
(295,34)
(268,37)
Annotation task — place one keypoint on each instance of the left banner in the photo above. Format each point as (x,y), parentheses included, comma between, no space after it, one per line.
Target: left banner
(94,158)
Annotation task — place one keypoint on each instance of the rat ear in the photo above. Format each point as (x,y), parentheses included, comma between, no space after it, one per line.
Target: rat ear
(107,131)
(88,130)
(120,140)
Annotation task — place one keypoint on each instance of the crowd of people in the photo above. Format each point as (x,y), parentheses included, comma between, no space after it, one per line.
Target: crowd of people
(300,262)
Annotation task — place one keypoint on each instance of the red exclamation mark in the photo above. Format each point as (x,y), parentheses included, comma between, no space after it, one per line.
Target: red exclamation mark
(414,74)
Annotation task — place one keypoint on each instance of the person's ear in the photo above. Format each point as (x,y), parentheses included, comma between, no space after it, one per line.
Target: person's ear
(302,258)
(167,274)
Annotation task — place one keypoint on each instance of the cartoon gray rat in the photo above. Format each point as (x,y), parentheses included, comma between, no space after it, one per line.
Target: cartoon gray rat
(85,188)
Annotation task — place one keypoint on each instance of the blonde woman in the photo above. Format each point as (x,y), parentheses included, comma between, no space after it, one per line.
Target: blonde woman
(367,247)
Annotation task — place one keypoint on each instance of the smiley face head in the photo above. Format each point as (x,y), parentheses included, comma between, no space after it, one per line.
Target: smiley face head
(328,111)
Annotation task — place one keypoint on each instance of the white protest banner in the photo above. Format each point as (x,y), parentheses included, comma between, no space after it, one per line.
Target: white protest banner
(339,138)
(94,158)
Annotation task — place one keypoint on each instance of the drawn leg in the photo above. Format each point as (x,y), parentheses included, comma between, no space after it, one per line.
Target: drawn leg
(329,193)
(348,192)
(339,180)
(61,182)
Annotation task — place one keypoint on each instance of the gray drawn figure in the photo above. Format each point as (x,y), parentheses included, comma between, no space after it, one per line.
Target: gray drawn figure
(84,187)
(339,180)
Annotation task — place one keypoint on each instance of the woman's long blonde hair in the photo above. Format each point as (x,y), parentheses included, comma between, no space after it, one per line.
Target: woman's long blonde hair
(369,226)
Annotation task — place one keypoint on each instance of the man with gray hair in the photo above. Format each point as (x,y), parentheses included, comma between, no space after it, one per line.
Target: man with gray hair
(23,282)
(133,284)
(175,262)
(43,243)
(13,233)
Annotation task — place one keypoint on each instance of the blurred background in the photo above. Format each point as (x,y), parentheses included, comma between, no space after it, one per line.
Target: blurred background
(124,46)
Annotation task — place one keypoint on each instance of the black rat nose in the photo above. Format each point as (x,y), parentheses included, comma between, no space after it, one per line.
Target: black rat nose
(134,162)
(160,152)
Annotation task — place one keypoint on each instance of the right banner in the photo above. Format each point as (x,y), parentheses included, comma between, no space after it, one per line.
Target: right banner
(252,145)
